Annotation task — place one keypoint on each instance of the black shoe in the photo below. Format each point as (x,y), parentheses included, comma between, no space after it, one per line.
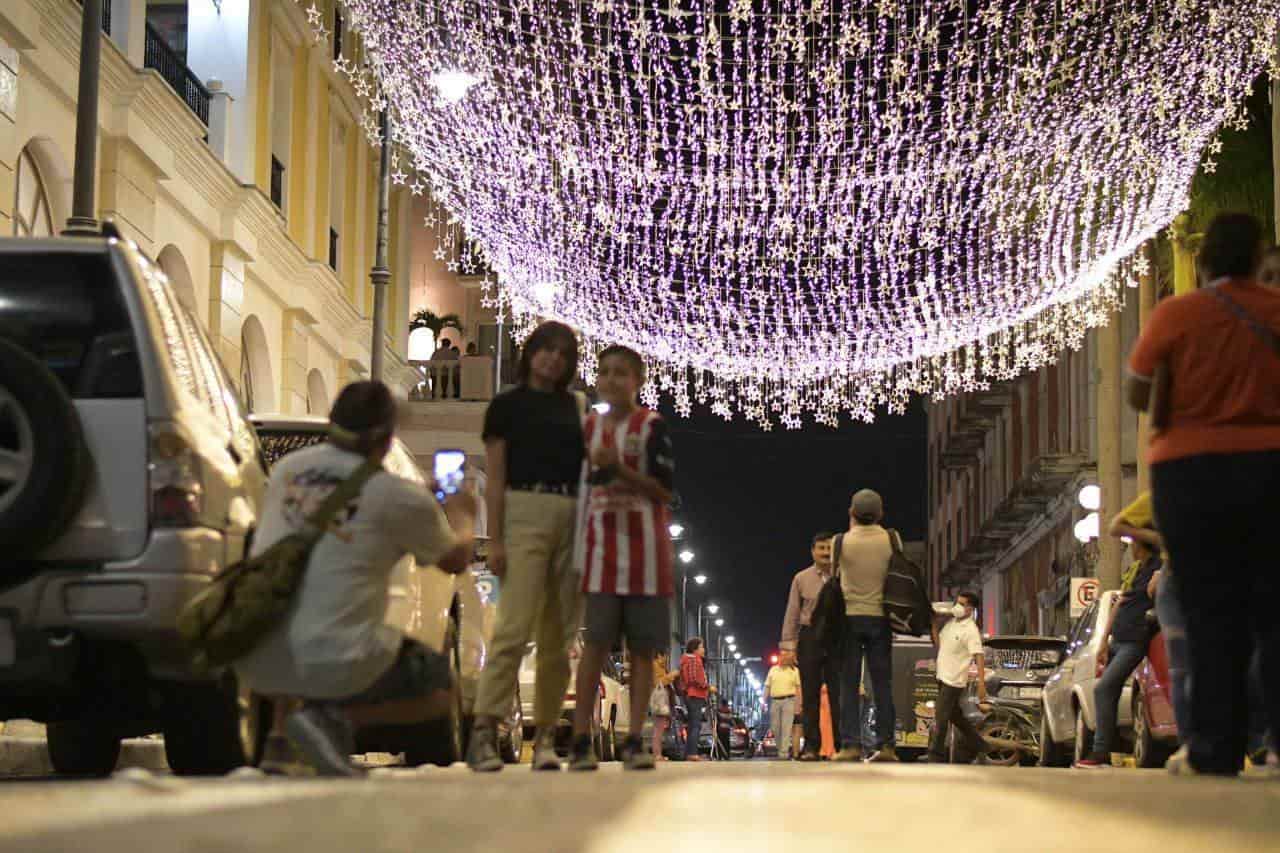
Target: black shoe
(634,756)
(583,754)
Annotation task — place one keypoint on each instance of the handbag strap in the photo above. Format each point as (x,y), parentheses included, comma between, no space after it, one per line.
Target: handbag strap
(349,488)
(1264,334)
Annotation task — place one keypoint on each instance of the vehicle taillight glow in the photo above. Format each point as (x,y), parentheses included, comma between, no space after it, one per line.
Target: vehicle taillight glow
(173,471)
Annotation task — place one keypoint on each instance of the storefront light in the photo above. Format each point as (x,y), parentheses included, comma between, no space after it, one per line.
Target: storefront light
(1090,497)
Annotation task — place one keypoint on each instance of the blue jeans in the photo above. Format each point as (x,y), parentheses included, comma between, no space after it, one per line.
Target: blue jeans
(696,708)
(867,638)
(1173,625)
(1124,659)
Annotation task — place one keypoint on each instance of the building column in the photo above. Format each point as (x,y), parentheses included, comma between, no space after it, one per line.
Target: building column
(294,360)
(1146,304)
(129,29)
(9,142)
(1184,245)
(1110,474)
(227,270)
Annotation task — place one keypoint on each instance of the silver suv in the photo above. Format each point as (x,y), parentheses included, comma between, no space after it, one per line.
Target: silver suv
(129,477)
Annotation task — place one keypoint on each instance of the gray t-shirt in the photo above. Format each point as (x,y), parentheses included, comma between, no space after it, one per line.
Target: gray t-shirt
(334,642)
(864,562)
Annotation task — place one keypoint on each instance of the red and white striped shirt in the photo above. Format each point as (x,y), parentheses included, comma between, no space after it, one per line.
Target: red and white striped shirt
(628,539)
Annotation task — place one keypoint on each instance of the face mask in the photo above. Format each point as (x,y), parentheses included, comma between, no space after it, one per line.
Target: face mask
(958,610)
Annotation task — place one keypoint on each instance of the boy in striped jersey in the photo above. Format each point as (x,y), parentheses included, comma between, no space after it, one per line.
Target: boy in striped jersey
(628,555)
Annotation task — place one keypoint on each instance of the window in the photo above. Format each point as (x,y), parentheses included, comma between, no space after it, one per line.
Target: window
(281,117)
(333,249)
(246,375)
(337,33)
(277,183)
(32,216)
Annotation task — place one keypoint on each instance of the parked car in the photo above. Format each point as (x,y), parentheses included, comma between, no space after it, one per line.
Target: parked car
(448,613)
(1155,729)
(768,745)
(1017,669)
(604,719)
(1069,716)
(132,477)
(741,744)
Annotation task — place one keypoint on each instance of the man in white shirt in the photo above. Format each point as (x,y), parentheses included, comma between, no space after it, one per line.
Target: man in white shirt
(783,686)
(333,649)
(959,645)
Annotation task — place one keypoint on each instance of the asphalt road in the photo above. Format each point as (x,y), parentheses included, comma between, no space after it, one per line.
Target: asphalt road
(737,806)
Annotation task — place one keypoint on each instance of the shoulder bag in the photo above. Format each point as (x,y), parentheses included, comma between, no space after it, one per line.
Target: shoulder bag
(828,618)
(906,604)
(225,621)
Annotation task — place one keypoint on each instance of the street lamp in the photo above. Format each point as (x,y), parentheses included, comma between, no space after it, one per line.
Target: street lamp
(676,529)
(700,580)
(719,623)
(731,639)
(713,609)
(686,556)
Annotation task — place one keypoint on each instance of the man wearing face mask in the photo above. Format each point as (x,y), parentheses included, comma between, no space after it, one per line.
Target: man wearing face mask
(959,643)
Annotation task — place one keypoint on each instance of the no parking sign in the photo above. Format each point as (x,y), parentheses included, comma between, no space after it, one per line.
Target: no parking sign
(1084,591)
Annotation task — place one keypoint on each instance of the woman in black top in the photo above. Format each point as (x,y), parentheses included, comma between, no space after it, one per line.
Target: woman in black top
(534,451)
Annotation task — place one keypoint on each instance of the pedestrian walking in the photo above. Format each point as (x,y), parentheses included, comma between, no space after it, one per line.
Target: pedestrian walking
(628,574)
(334,649)
(660,702)
(817,667)
(534,453)
(1215,474)
(783,686)
(862,556)
(1125,641)
(959,646)
(695,687)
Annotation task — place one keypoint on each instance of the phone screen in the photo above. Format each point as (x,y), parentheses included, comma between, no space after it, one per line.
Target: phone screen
(449,472)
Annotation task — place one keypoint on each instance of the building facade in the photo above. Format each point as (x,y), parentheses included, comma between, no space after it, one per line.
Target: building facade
(1006,467)
(234,155)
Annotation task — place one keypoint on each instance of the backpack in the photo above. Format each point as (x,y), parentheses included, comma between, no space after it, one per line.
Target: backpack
(906,604)
(828,618)
(226,620)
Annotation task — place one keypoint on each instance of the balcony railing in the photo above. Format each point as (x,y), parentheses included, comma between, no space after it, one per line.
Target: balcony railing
(158,55)
(106,15)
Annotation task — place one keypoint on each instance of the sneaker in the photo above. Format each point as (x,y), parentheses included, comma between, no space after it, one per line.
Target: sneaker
(321,733)
(1094,761)
(482,754)
(544,750)
(809,755)
(635,756)
(1179,764)
(582,756)
(849,753)
(883,755)
(279,758)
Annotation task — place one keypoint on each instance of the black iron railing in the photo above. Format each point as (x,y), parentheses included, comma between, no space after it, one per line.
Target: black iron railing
(277,182)
(106,15)
(158,55)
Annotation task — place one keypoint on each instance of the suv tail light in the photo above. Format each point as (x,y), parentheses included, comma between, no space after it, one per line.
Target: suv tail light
(173,470)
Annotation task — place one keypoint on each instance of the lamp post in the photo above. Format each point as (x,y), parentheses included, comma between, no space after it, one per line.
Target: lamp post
(687,557)
(82,222)
(380,275)
(711,608)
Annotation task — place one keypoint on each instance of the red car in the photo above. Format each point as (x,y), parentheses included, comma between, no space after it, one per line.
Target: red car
(1155,731)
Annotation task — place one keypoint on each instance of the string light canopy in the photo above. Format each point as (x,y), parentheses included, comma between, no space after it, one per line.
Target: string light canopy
(811,208)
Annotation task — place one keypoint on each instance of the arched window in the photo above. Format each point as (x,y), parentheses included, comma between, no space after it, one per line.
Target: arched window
(246,377)
(32,215)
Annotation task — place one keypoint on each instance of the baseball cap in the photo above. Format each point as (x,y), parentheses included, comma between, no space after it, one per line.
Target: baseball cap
(867,506)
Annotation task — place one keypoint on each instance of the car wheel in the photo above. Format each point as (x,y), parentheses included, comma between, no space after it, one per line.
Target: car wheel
(44,462)
(442,741)
(1051,752)
(211,729)
(1083,745)
(83,747)
(512,744)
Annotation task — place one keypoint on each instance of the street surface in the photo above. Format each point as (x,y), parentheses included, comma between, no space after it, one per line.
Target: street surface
(741,806)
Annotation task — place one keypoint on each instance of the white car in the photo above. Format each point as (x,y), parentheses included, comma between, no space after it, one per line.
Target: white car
(449,613)
(1070,716)
(609,710)
(130,478)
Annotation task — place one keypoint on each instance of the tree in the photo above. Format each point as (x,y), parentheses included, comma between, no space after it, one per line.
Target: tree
(428,319)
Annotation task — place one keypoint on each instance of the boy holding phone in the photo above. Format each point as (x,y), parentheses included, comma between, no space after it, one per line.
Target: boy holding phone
(628,575)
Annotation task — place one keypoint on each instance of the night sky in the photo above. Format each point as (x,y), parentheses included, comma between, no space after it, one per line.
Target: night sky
(752,500)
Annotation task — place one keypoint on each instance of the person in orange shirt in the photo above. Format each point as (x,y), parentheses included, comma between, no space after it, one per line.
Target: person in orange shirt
(1215,480)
